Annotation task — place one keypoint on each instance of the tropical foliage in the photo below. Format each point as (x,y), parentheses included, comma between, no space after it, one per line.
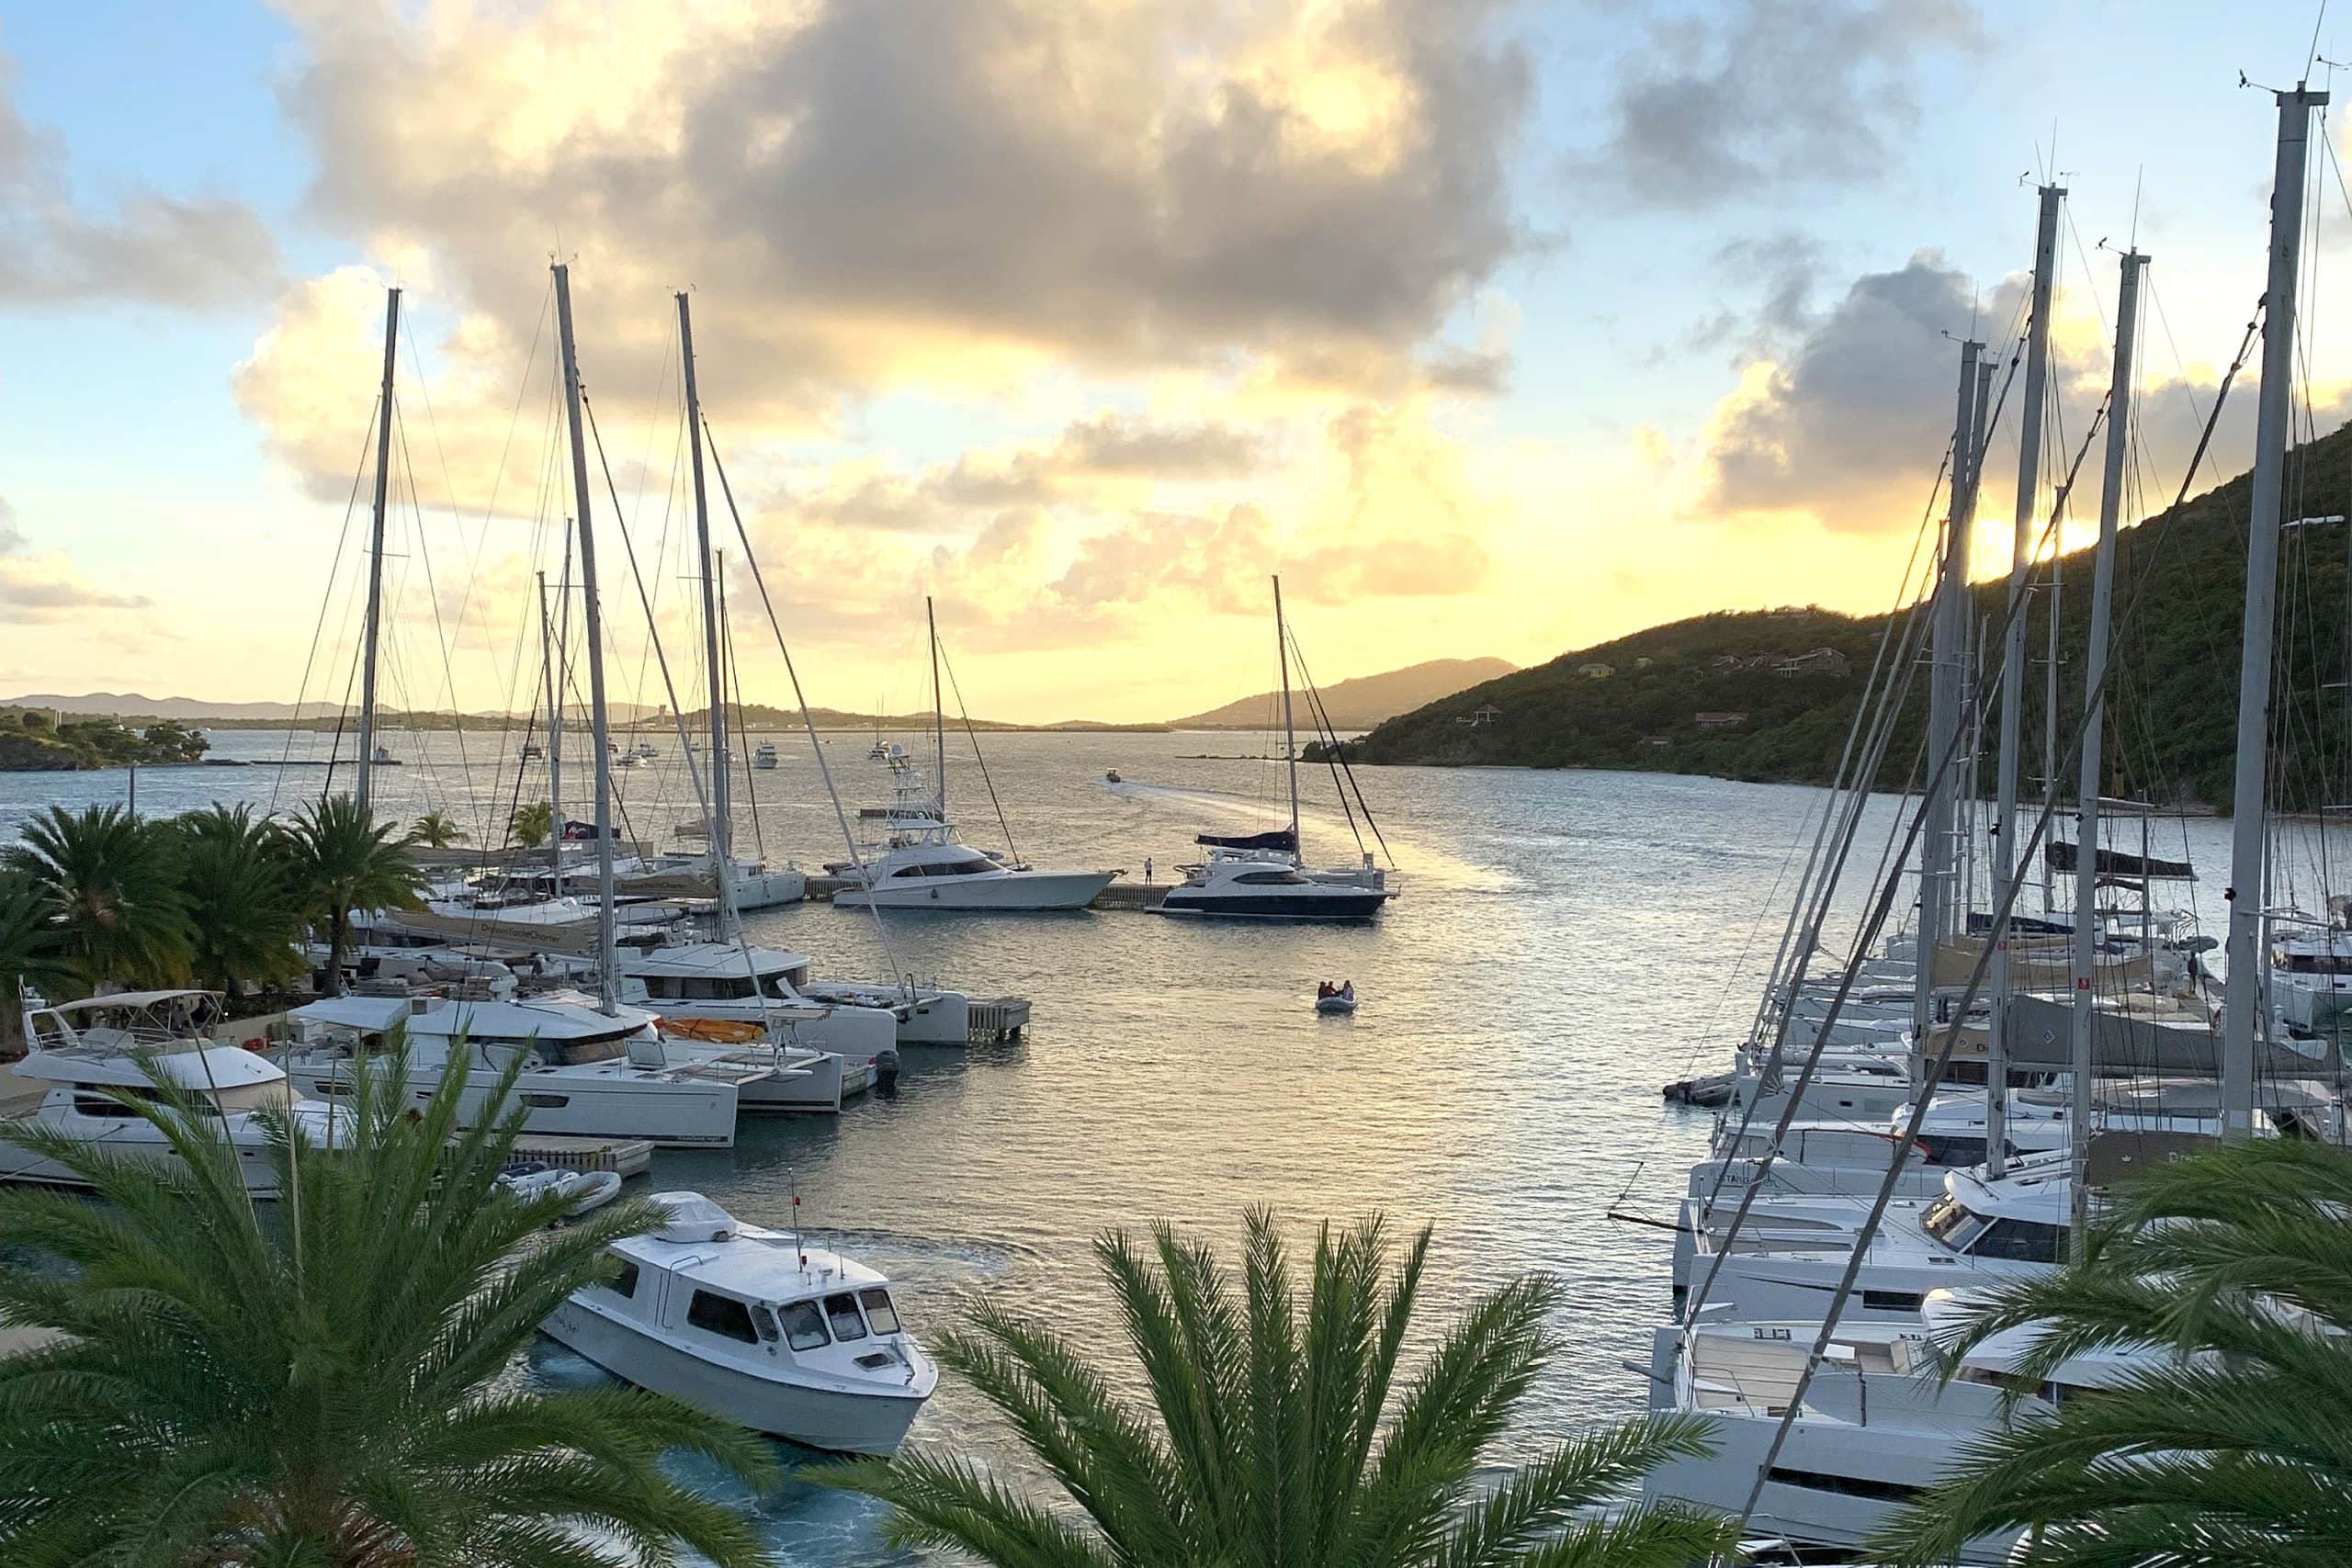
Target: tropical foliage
(340,859)
(2232,1446)
(243,918)
(436,830)
(331,1385)
(531,824)
(110,887)
(1264,1442)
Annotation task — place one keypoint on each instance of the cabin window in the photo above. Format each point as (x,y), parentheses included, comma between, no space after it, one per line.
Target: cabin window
(722,1315)
(2028,1241)
(547,1101)
(879,1312)
(101,1105)
(804,1326)
(660,987)
(1960,1153)
(1285,878)
(625,1282)
(842,1313)
(764,1323)
(1843,1486)
(1893,1301)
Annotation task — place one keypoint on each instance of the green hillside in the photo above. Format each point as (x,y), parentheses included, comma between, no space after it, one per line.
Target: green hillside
(2180,588)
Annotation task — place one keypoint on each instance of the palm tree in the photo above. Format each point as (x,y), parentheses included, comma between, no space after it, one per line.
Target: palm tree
(2232,1449)
(29,954)
(531,824)
(242,913)
(1268,1445)
(331,1385)
(436,830)
(340,859)
(112,889)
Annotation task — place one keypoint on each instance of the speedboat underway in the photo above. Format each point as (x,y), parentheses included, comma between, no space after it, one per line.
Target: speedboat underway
(1256,877)
(754,1326)
(85,1055)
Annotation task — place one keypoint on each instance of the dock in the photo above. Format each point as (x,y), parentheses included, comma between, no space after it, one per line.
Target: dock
(623,1156)
(997,1021)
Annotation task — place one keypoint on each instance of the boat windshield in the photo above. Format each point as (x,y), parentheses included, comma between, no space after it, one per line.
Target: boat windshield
(1951,1221)
(879,1310)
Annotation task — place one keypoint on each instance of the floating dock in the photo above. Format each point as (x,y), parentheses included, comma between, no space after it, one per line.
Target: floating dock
(996,1021)
(623,1156)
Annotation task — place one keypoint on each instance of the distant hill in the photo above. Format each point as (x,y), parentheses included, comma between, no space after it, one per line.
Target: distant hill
(1363,702)
(1713,694)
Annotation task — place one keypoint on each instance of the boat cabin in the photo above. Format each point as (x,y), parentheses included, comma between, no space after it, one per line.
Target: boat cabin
(2021,1218)
(713,971)
(561,1029)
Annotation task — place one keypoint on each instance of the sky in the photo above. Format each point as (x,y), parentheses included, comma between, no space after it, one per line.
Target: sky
(1495,329)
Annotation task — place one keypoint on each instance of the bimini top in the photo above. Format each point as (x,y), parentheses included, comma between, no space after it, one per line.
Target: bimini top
(130,999)
(714,959)
(1280,838)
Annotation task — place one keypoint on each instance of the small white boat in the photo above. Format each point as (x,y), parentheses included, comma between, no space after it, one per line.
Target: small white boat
(384,758)
(1343,999)
(757,1326)
(530,1180)
(763,757)
(533,752)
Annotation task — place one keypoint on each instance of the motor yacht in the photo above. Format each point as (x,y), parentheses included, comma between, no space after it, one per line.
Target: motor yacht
(86,1059)
(708,981)
(761,1327)
(917,864)
(763,757)
(1257,877)
(589,1075)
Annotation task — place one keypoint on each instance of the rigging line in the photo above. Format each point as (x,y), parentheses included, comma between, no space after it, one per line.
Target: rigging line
(448,488)
(1329,737)
(949,666)
(731,664)
(1952,1031)
(440,632)
(824,768)
(318,627)
(1340,755)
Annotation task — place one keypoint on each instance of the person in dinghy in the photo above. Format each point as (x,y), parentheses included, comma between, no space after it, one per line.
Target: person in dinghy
(1340,997)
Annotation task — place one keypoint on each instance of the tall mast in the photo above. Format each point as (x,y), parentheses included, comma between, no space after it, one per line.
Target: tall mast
(722,836)
(375,551)
(2056,600)
(2005,810)
(2087,782)
(1943,708)
(2249,882)
(1290,738)
(938,709)
(608,958)
(555,742)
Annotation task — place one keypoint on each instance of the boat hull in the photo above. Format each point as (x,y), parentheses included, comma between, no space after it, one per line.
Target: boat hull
(670,1113)
(834,1420)
(1020,892)
(1319,903)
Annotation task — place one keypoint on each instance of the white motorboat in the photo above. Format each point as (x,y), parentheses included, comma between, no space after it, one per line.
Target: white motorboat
(707,982)
(1256,877)
(917,864)
(84,1058)
(763,756)
(927,1014)
(383,758)
(757,1326)
(753,884)
(591,1074)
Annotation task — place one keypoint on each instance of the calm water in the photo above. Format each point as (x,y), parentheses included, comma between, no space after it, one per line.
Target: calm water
(1565,942)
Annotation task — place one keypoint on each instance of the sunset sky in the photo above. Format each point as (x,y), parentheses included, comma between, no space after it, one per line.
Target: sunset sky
(1496,329)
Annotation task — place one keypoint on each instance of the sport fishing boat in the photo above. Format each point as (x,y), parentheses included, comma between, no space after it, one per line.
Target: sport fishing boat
(1261,876)
(85,1058)
(757,1326)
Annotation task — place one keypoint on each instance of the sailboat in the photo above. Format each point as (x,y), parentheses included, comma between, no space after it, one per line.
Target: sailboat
(917,862)
(1260,876)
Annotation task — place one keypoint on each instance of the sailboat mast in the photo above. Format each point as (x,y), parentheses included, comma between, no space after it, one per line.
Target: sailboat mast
(2005,810)
(938,709)
(555,742)
(1290,737)
(722,836)
(2086,780)
(2249,881)
(608,958)
(375,551)
(1935,840)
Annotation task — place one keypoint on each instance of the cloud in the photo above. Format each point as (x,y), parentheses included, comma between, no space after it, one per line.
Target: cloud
(1763,95)
(148,247)
(937,194)
(46,587)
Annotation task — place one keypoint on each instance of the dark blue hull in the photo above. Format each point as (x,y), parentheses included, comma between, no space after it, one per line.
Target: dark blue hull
(1330,904)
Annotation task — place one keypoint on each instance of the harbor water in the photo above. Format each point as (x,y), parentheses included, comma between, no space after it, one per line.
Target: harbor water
(1565,942)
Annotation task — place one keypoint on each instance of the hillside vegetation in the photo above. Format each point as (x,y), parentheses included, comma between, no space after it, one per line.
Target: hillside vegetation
(2180,586)
(35,740)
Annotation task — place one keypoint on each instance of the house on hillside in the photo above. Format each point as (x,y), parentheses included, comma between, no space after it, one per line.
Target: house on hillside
(1819,662)
(1596,672)
(1725,661)
(1644,662)
(1718,720)
(1480,717)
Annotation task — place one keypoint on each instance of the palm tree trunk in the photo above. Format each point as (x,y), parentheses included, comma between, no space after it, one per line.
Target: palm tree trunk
(337,927)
